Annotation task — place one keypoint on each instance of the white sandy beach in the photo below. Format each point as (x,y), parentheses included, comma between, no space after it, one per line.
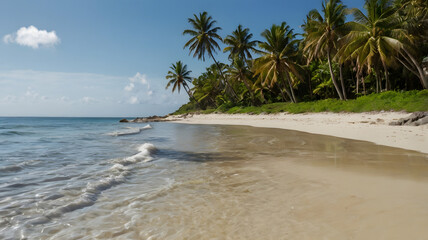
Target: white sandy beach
(372,126)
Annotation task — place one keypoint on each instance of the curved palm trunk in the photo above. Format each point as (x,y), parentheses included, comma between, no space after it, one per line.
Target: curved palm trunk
(227,81)
(292,91)
(310,84)
(358,75)
(357,83)
(387,82)
(244,79)
(288,93)
(352,78)
(364,84)
(378,81)
(408,66)
(282,92)
(291,87)
(211,101)
(377,84)
(342,82)
(188,93)
(422,77)
(285,87)
(263,97)
(332,75)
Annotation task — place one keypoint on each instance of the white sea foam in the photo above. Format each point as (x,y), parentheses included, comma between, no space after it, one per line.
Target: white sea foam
(143,155)
(129,131)
(89,194)
(148,126)
(118,167)
(117,175)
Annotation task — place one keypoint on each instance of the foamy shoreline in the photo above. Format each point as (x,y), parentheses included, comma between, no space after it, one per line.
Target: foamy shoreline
(369,126)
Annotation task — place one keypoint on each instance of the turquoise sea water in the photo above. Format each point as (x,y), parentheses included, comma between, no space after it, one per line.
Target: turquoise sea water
(96,178)
(51,167)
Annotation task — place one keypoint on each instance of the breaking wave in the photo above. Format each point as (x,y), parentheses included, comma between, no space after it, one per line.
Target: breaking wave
(19,166)
(129,131)
(144,155)
(116,175)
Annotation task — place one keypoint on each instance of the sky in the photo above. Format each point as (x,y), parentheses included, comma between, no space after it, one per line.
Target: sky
(105,58)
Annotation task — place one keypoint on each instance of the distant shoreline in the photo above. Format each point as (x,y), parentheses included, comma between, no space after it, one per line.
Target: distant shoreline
(370,126)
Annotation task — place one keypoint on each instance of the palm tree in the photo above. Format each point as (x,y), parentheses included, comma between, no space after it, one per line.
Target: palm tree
(376,38)
(208,86)
(413,15)
(179,76)
(240,44)
(277,60)
(203,39)
(322,33)
(239,71)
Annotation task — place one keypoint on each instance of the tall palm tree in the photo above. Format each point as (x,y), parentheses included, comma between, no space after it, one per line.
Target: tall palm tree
(277,60)
(323,32)
(240,44)
(239,71)
(376,38)
(178,76)
(203,40)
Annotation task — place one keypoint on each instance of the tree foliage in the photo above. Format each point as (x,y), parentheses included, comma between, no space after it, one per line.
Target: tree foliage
(381,49)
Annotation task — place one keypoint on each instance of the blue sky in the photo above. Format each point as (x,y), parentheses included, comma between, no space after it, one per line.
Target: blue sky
(110,58)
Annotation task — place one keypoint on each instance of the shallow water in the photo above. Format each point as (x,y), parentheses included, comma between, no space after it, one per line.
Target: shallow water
(66,178)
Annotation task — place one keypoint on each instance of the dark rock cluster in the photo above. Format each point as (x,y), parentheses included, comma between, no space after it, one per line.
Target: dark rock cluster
(415,119)
(146,119)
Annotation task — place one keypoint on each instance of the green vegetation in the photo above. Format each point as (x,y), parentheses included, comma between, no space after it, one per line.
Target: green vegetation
(409,101)
(372,63)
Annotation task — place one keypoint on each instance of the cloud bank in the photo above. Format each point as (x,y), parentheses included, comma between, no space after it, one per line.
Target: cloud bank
(39,93)
(32,37)
(138,85)
(137,78)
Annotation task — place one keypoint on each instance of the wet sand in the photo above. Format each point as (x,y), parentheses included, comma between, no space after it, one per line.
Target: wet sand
(290,185)
(372,126)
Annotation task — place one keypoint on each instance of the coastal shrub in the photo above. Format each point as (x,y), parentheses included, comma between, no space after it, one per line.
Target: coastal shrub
(208,111)
(188,107)
(410,101)
(225,106)
(233,110)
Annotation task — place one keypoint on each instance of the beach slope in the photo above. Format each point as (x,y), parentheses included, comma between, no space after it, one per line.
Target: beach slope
(372,126)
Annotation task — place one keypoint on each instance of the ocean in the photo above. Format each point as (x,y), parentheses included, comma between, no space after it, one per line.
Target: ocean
(96,178)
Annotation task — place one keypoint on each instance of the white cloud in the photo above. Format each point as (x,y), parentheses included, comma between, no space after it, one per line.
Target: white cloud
(83,94)
(8,38)
(64,99)
(138,85)
(31,93)
(88,100)
(137,78)
(8,99)
(133,100)
(129,87)
(32,37)
(33,96)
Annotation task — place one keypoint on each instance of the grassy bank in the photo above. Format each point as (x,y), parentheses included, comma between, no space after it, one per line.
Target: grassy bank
(410,101)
